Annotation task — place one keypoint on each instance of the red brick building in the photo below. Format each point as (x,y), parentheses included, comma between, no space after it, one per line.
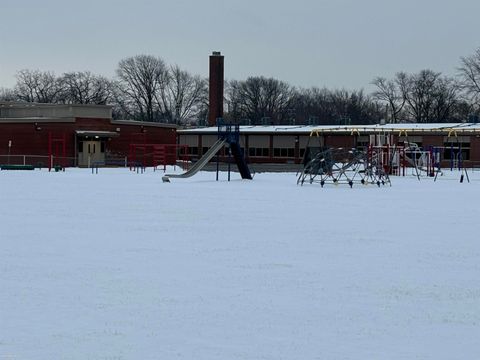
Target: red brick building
(79,134)
(287,144)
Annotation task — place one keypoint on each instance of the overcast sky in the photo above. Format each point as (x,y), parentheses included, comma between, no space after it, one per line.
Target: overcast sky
(334,43)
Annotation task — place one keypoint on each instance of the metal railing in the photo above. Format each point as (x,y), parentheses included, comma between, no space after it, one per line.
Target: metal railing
(39,161)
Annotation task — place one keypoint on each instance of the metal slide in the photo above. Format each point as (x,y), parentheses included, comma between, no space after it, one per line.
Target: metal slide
(200,163)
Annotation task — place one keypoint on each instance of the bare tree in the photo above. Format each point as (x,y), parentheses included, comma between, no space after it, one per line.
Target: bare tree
(315,105)
(324,106)
(446,103)
(361,109)
(142,79)
(232,101)
(86,88)
(429,97)
(353,107)
(340,101)
(470,77)
(183,96)
(260,97)
(389,92)
(38,86)
(418,92)
(244,100)
(7,95)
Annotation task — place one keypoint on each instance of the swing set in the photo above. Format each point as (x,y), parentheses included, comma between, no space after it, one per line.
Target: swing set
(384,155)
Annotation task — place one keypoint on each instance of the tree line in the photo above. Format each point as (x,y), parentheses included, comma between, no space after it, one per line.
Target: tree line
(145,88)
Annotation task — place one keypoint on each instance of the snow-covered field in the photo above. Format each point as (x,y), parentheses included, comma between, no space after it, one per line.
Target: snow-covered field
(122,266)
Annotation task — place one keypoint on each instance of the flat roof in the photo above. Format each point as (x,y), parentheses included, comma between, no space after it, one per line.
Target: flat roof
(144,123)
(51,119)
(38,119)
(357,129)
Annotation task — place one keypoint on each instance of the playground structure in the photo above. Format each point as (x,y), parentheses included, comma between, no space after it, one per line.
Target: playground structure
(343,166)
(157,155)
(400,158)
(56,159)
(384,155)
(228,135)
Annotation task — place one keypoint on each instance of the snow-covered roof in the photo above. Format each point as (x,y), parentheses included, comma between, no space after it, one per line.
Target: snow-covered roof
(309,129)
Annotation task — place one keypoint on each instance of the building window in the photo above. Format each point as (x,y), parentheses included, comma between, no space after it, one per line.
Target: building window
(193,150)
(452,151)
(258,152)
(284,152)
(363,144)
(411,141)
(363,141)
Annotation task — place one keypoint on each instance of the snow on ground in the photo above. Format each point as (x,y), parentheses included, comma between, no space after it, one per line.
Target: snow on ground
(122,266)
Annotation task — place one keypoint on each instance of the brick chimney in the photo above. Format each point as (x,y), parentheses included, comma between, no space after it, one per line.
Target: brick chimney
(215,97)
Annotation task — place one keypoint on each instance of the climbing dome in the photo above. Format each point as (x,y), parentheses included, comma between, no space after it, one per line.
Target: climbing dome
(343,166)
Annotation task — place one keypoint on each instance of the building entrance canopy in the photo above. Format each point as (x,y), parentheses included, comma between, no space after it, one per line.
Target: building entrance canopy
(96,133)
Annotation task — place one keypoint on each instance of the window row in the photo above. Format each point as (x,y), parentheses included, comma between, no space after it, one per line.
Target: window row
(256,152)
